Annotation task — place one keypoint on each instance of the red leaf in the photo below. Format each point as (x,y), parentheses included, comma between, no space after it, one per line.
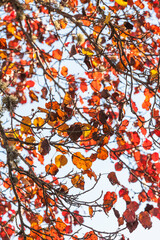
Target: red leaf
(155,156)
(51,39)
(118,166)
(134,107)
(147,144)
(83,86)
(129,216)
(30,83)
(133,206)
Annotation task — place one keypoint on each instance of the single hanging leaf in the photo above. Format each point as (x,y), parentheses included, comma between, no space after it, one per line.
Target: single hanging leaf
(25,128)
(38,122)
(145,219)
(90,211)
(110,198)
(51,169)
(33,96)
(44,147)
(78,181)
(102,153)
(64,71)
(57,54)
(112,178)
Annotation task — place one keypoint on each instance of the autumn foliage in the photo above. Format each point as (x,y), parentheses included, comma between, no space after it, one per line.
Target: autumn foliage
(80,118)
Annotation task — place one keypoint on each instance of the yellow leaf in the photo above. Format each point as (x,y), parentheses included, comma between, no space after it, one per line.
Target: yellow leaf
(67,99)
(86,129)
(154,73)
(38,122)
(122,3)
(87,51)
(26,128)
(108,17)
(60,161)
(81,162)
(30,139)
(11,29)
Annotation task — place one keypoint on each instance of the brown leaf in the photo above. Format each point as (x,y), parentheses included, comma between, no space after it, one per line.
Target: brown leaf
(145,219)
(112,178)
(44,92)
(44,147)
(74,132)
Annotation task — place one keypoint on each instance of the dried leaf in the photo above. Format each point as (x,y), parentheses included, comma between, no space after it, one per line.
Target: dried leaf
(145,219)
(44,147)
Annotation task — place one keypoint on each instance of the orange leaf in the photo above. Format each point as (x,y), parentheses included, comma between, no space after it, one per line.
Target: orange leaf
(51,169)
(57,54)
(3,54)
(64,71)
(83,86)
(25,128)
(96,85)
(78,181)
(110,198)
(102,153)
(60,225)
(81,162)
(90,236)
(67,99)
(90,211)
(33,96)
(11,29)
(3,44)
(60,160)
(38,122)
(52,105)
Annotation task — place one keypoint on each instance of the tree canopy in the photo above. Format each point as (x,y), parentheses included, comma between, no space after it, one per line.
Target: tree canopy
(80,98)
